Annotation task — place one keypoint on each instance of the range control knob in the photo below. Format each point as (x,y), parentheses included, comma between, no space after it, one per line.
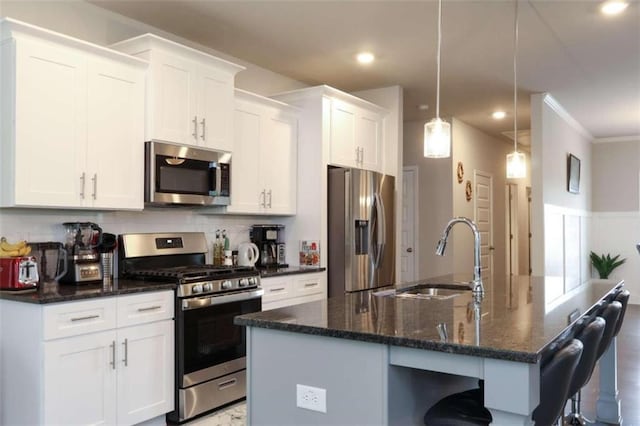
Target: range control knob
(253,281)
(196,288)
(226,285)
(244,282)
(207,287)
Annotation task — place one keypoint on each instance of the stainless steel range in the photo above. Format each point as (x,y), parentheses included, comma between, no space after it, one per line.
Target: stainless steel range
(210,349)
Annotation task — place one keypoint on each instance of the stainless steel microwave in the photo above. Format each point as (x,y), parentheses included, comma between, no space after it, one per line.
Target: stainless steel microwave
(181,174)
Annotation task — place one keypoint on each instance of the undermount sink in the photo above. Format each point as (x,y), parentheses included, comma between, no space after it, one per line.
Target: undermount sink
(428,291)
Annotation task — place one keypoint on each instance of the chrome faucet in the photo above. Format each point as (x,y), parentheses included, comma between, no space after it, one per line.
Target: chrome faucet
(477,286)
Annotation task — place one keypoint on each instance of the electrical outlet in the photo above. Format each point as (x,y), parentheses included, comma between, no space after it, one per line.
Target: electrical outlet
(311,398)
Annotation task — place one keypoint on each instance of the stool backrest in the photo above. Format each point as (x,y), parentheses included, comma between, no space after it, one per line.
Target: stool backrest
(610,313)
(590,337)
(622,297)
(555,379)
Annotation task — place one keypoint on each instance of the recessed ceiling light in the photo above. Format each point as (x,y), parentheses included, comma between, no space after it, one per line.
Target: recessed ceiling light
(613,7)
(498,115)
(365,57)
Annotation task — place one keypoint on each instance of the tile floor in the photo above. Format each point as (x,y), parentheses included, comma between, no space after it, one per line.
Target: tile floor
(628,382)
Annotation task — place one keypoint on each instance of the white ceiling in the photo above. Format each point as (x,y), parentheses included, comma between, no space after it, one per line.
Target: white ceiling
(590,63)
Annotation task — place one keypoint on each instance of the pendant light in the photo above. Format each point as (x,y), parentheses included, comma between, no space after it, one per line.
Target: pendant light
(516,161)
(437,132)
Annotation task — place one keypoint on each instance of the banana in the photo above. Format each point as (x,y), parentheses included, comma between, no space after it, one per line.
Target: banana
(6,246)
(24,251)
(13,253)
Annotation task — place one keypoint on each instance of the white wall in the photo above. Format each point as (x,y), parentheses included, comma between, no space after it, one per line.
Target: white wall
(616,206)
(562,249)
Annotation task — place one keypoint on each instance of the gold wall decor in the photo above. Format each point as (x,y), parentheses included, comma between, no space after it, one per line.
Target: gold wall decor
(460,171)
(468,191)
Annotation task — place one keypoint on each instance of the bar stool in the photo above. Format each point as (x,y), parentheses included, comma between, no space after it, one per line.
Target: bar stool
(467,409)
(590,356)
(623,298)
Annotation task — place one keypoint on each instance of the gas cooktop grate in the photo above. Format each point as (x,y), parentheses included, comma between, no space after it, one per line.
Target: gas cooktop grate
(194,271)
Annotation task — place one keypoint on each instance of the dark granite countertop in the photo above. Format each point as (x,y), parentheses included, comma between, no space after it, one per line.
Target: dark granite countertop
(519,317)
(291,270)
(53,292)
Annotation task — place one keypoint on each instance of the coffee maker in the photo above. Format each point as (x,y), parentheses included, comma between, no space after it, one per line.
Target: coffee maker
(270,242)
(83,258)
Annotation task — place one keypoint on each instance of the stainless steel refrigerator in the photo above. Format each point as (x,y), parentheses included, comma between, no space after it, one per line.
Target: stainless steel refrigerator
(361,230)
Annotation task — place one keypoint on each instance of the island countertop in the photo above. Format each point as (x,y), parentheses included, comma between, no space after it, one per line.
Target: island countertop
(519,316)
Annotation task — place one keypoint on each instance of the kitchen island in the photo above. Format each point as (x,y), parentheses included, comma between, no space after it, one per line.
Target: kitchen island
(385,357)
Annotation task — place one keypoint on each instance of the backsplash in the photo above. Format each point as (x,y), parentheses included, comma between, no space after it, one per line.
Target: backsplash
(46,225)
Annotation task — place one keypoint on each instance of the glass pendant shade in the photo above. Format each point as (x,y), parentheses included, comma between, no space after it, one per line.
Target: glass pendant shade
(437,139)
(516,165)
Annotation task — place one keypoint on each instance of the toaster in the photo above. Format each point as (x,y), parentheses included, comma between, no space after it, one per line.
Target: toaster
(18,273)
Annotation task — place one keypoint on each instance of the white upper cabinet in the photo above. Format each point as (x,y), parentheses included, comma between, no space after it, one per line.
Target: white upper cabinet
(265,156)
(72,122)
(190,93)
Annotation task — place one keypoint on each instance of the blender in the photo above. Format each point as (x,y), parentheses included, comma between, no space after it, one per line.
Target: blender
(83,257)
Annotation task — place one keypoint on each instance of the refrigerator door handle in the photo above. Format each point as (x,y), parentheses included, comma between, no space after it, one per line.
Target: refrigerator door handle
(381,220)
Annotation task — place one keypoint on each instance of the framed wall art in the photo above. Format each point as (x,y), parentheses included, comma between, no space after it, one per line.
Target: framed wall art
(573,174)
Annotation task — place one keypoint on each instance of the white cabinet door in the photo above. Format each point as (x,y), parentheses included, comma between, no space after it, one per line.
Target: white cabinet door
(145,368)
(173,100)
(369,139)
(80,380)
(215,117)
(246,188)
(115,135)
(50,125)
(342,145)
(278,163)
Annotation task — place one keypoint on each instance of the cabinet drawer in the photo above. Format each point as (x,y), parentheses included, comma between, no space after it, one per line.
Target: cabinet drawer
(276,288)
(75,318)
(145,307)
(312,284)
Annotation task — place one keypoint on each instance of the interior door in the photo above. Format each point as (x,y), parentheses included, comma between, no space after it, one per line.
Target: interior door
(408,248)
(484,219)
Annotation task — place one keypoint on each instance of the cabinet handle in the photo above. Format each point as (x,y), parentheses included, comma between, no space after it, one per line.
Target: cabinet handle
(203,128)
(113,354)
(85,318)
(263,196)
(310,285)
(275,290)
(357,155)
(195,127)
(95,185)
(227,384)
(269,198)
(361,155)
(126,352)
(150,308)
(83,179)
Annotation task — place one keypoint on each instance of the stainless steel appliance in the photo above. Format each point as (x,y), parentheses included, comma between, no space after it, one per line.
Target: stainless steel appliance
(210,349)
(180,174)
(361,230)
(270,241)
(83,258)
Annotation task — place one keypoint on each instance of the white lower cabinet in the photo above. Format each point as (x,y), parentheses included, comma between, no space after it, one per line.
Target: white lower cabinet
(79,366)
(287,290)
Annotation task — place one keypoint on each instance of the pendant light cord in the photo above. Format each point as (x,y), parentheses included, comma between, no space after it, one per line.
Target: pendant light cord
(438,59)
(515,79)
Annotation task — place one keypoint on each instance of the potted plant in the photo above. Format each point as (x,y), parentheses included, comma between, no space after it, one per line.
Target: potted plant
(605,264)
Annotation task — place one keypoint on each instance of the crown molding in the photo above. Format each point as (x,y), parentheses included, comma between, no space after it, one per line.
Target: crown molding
(564,114)
(631,138)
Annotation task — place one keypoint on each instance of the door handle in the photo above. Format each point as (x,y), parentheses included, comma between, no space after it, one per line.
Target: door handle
(95,185)
(492,248)
(195,127)
(126,352)
(203,124)
(410,250)
(83,179)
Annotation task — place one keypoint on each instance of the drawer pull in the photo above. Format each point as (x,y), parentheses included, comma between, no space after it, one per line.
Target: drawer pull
(274,290)
(227,384)
(150,308)
(113,354)
(126,352)
(310,284)
(88,317)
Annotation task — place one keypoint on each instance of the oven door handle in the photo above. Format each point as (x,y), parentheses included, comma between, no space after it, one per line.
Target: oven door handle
(202,302)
